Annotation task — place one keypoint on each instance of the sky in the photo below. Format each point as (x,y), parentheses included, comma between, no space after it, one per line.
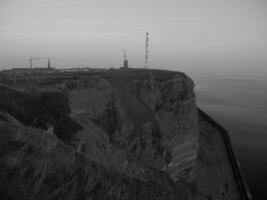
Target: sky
(208,36)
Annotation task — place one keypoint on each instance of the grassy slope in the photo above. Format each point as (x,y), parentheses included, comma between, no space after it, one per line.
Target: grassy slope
(36,165)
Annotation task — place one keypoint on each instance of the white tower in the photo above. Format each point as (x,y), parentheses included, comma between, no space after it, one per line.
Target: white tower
(125,60)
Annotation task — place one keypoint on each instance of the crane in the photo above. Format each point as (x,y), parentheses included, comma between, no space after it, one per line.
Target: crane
(31,59)
(38,58)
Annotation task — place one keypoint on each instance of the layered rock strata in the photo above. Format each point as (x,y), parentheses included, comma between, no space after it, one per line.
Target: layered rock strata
(148,120)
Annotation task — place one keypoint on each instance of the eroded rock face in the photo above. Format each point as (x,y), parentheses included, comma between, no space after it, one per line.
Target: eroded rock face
(173,102)
(140,126)
(149,119)
(111,136)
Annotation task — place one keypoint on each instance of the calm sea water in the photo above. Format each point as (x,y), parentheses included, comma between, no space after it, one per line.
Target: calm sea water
(241,107)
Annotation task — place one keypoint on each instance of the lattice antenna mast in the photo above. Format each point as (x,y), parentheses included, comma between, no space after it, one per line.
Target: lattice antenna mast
(124,55)
(146,56)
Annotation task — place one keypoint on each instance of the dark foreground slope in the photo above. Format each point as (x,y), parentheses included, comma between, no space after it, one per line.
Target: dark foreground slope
(35,165)
(115,134)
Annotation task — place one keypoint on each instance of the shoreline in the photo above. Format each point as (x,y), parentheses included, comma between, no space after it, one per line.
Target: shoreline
(239,178)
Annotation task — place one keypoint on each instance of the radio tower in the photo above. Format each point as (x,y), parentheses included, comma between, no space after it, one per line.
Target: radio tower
(146,57)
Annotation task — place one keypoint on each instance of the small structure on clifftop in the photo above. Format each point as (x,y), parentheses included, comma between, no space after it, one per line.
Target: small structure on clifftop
(125,60)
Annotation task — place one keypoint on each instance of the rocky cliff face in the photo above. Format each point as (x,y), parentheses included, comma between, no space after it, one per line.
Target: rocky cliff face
(140,129)
(173,102)
(150,120)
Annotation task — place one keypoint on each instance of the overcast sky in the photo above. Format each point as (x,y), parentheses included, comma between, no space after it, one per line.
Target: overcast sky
(203,35)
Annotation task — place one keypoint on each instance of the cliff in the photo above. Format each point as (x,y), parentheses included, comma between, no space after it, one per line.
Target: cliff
(152,122)
(117,134)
